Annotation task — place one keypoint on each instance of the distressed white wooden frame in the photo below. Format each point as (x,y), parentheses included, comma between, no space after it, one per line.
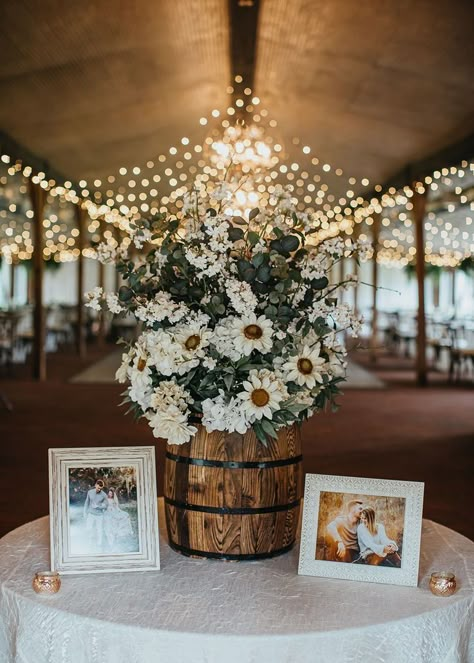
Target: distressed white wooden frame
(140,458)
(410,490)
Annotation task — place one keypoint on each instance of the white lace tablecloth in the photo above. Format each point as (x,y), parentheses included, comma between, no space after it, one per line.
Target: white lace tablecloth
(204,611)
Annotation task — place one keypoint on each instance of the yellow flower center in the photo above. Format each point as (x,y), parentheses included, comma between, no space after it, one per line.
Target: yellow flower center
(141,364)
(253,332)
(192,342)
(260,397)
(305,366)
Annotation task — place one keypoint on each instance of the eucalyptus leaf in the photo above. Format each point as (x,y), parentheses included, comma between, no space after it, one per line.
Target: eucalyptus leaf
(239,221)
(321,283)
(268,428)
(125,294)
(290,243)
(235,234)
(253,237)
(264,273)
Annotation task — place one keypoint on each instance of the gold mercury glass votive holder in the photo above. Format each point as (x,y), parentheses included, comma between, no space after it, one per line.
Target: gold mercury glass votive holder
(443,583)
(47,582)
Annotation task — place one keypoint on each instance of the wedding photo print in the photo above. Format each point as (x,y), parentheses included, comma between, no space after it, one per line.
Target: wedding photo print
(103,509)
(361,529)
(103,515)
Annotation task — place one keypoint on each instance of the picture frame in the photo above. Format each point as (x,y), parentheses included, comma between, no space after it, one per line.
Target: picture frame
(361,529)
(103,510)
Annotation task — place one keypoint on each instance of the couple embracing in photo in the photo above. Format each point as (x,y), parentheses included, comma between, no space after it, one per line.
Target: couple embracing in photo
(357,537)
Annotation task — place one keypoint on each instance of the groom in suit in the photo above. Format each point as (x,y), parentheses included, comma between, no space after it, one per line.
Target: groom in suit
(94,509)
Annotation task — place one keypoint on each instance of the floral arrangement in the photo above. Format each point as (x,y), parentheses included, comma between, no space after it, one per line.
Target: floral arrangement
(239,322)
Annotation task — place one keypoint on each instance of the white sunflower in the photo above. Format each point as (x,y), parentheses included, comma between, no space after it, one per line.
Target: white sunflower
(305,368)
(262,395)
(251,333)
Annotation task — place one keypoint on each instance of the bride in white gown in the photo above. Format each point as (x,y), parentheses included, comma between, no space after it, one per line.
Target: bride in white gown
(117,523)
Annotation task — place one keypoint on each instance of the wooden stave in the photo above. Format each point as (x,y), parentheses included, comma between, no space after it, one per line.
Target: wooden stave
(230,536)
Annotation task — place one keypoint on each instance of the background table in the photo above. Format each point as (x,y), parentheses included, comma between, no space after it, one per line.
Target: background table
(196,611)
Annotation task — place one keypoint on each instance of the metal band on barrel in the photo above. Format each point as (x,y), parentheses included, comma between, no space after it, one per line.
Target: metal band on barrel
(229,556)
(231,511)
(234,464)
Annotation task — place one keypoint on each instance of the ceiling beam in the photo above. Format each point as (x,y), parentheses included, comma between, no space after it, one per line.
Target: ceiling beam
(452,155)
(243,25)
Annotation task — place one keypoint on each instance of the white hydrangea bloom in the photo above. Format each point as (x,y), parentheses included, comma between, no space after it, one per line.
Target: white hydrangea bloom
(333,247)
(172,425)
(122,373)
(241,296)
(224,416)
(113,303)
(168,393)
(315,267)
(159,308)
(140,380)
(142,237)
(93,298)
(222,339)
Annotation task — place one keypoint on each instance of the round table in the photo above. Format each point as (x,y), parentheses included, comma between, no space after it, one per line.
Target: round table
(196,611)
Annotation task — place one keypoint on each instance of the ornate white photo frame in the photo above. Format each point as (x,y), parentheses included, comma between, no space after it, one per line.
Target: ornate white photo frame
(140,461)
(409,491)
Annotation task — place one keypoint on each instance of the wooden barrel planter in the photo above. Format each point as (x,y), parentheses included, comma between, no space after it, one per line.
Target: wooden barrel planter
(227,496)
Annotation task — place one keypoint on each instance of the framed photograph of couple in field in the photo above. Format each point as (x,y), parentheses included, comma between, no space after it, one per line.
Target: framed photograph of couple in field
(361,529)
(103,510)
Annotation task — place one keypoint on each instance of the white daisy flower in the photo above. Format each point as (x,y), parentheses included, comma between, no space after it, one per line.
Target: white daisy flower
(306,367)
(262,395)
(192,339)
(252,333)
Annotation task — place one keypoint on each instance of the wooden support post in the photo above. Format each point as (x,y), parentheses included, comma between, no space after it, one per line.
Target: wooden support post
(38,198)
(375,284)
(419,206)
(80,319)
(101,279)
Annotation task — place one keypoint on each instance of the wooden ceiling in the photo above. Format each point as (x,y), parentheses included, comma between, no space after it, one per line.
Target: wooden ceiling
(370,85)
(95,85)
